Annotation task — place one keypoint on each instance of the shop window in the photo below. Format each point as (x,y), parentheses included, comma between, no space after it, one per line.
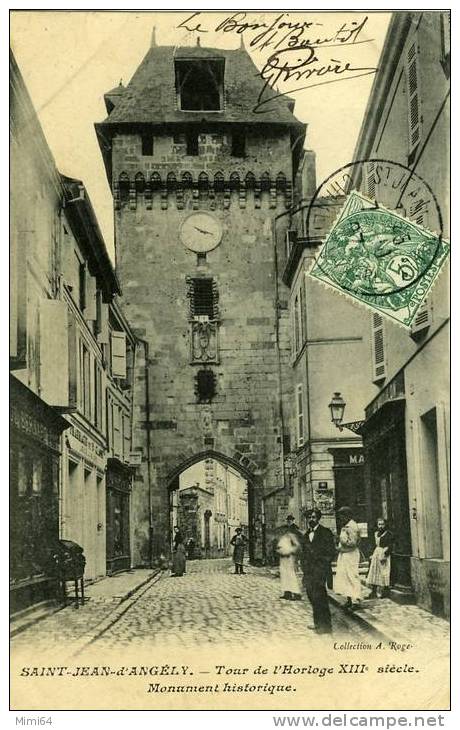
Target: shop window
(199,84)
(23,474)
(205,386)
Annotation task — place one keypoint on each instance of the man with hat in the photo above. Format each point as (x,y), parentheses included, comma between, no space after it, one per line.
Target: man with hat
(317,554)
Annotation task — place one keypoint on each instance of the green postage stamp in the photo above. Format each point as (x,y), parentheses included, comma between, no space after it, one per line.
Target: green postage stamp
(380,258)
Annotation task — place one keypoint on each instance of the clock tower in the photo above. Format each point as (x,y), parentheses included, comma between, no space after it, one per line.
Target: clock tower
(198,176)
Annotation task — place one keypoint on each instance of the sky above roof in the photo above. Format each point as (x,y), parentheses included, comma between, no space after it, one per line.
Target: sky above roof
(70,59)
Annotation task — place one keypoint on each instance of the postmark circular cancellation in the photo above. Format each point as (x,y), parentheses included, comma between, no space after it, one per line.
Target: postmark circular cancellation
(377,248)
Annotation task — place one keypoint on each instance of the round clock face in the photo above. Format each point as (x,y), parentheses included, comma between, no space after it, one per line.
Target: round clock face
(201,232)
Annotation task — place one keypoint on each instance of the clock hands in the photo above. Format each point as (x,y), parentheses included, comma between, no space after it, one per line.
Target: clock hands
(201,230)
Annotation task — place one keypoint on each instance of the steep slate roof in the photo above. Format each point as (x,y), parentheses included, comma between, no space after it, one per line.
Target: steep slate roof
(150,97)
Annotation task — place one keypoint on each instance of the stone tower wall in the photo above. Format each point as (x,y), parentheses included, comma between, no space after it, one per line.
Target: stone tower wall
(243,422)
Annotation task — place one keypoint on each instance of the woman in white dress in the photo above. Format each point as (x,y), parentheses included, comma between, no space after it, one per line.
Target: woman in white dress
(347,581)
(378,577)
(288,548)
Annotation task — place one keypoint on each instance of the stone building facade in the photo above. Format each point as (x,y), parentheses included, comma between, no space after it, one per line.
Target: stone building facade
(69,346)
(197,180)
(35,424)
(328,348)
(406,430)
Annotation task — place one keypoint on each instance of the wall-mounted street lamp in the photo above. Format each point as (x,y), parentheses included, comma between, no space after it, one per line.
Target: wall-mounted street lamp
(337,408)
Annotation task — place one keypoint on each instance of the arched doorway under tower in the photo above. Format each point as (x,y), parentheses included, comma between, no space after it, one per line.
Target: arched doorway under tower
(210,495)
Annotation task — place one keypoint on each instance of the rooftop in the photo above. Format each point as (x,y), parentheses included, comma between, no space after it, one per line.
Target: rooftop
(150,96)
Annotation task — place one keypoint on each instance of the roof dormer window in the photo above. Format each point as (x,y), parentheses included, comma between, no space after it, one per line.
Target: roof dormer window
(200,84)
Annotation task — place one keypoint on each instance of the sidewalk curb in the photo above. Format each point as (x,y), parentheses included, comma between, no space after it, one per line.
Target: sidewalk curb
(359,619)
(129,594)
(33,621)
(119,610)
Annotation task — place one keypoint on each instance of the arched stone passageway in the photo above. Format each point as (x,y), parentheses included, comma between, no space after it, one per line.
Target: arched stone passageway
(197,505)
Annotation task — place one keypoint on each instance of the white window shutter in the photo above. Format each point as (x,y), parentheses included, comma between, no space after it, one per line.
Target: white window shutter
(379,371)
(91,298)
(68,259)
(423,318)
(54,353)
(118,342)
(413,97)
(103,336)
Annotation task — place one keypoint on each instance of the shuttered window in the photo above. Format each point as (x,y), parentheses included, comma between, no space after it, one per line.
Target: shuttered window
(378,349)
(423,319)
(413,100)
(370,179)
(203,298)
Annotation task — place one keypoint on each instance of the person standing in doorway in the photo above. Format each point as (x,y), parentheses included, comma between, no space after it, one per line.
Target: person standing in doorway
(239,543)
(347,581)
(288,549)
(318,551)
(378,577)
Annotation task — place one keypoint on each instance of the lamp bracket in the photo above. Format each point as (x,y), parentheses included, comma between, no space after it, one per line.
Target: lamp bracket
(354,426)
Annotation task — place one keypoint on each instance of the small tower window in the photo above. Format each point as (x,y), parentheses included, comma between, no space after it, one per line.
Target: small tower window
(203,299)
(147,144)
(192,143)
(200,84)
(238,143)
(205,386)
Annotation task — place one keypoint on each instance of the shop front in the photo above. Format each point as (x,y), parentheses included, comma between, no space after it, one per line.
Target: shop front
(350,490)
(118,483)
(384,439)
(34,495)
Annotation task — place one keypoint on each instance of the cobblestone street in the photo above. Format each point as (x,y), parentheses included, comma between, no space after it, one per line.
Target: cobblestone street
(211,605)
(208,605)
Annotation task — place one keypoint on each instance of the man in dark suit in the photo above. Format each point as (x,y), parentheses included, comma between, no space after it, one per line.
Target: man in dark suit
(317,555)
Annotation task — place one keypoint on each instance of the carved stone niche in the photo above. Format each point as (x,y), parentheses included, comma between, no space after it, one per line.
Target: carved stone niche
(204,342)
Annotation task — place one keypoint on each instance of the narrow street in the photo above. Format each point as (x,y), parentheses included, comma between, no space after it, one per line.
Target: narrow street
(208,605)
